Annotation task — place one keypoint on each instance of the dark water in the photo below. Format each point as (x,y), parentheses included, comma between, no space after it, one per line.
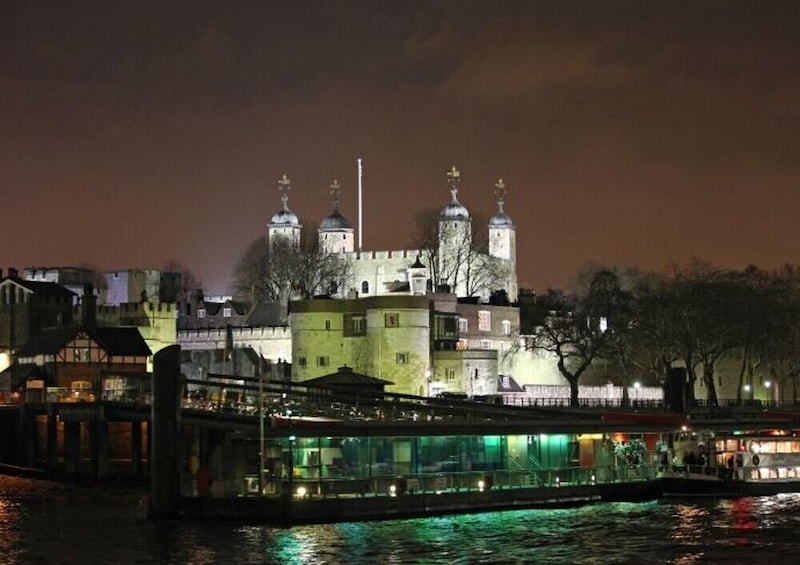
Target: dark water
(114,530)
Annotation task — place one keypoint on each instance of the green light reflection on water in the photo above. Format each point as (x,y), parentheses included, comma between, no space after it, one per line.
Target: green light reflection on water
(467,538)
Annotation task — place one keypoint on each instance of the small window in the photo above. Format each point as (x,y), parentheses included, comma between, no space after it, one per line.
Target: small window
(402,358)
(201,313)
(506,327)
(365,287)
(463,325)
(301,362)
(327,324)
(392,320)
(359,325)
(450,374)
(486,344)
(323,361)
(484,321)
(226,312)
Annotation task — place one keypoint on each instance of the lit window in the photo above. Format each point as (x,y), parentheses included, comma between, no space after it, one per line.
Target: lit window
(201,313)
(226,312)
(463,325)
(506,327)
(402,358)
(484,321)
(81,354)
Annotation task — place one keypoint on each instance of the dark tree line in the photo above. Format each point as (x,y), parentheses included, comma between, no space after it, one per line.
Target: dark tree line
(695,317)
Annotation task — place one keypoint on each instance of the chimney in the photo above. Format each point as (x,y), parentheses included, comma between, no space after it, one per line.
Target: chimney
(89,306)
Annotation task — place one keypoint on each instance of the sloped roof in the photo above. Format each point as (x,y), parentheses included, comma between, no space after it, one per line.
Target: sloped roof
(121,340)
(40,287)
(48,341)
(506,383)
(214,308)
(267,314)
(13,377)
(345,376)
(115,340)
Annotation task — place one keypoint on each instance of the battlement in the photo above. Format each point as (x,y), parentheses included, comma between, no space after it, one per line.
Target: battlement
(129,308)
(248,332)
(409,254)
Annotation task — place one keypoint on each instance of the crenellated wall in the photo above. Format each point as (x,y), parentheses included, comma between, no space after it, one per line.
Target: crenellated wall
(272,343)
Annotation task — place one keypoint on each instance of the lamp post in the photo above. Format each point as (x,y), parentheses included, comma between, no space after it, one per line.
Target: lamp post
(637,386)
(748,391)
(260,434)
(768,386)
(428,375)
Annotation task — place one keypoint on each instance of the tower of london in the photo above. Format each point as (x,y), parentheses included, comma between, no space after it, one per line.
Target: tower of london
(456,264)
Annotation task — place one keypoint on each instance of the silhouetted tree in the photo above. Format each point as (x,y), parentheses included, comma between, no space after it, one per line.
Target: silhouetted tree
(579,328)
(466,263)
(283,269)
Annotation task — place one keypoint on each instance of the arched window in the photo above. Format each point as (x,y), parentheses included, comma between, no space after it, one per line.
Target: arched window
(365,287)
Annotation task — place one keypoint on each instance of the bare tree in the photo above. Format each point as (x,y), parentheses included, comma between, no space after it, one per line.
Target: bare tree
(782,343)
(579,329)
(282,269)
(458,257)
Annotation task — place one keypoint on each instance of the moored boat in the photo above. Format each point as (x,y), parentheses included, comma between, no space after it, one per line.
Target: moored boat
(732,464)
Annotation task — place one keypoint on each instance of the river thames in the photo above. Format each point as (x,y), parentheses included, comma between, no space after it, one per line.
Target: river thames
(82,528)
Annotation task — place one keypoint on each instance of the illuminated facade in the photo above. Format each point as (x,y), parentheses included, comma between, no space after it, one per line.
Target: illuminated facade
(378,273)
(411,341)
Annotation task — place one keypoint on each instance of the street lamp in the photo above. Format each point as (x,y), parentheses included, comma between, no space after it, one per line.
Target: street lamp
(638,386)
(768,385)
(428,380)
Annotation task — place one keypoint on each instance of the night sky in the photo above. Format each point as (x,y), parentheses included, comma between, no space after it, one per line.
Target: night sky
(636,133)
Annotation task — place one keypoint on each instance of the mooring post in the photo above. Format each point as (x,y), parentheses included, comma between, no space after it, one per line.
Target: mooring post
(165,419)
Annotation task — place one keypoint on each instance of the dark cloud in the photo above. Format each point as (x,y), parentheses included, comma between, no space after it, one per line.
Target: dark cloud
(631,132)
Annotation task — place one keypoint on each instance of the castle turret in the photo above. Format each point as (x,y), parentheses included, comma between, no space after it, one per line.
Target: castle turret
(455,238)
(285,223)
(418,277)
(503,241)
(336,231)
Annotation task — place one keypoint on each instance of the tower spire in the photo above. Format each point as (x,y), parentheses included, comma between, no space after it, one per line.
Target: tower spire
(285,185)
(454,180)
(500,192)
(335,190)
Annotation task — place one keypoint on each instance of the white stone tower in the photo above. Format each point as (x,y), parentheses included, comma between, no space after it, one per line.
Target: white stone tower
(455,239)
(503,241)
(336,231)
(285,223)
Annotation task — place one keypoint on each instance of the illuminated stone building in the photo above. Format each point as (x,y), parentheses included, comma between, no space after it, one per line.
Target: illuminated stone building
(411,341)
(378,273)
(26,307)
